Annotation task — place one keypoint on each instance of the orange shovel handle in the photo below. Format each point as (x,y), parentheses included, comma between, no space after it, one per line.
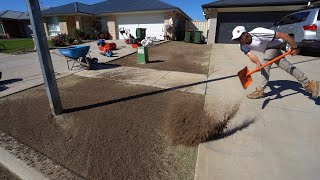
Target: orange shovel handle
(270,62)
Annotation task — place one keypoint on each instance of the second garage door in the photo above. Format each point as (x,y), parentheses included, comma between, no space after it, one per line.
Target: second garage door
(228,21)
(152,22)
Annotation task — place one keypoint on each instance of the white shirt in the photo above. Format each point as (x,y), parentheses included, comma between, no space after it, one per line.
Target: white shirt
(262,39)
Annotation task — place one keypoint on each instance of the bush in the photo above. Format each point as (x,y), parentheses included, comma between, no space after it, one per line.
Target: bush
(79,35)
(70,39)
(105,36)
(59,40)
(92,36)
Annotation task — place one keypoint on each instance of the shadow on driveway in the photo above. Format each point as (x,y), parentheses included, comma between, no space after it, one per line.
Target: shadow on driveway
(6,82)
(281,85)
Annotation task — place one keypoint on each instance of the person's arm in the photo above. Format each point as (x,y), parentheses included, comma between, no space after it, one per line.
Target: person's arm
(253,58)
(289,40)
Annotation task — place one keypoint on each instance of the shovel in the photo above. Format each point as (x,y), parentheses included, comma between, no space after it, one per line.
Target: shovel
(245,74)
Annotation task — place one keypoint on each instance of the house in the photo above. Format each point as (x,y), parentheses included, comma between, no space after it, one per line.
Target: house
(14,24)
(224,15)
(111,15)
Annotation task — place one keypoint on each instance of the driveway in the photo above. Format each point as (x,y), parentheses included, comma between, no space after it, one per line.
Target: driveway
(20,72)
(276,137)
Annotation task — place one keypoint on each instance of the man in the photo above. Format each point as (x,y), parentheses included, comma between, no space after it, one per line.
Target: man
(270,43)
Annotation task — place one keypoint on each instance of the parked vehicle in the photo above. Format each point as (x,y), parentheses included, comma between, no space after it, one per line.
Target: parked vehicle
(303,26)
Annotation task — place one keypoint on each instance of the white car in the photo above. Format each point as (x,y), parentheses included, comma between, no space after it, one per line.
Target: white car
(303,26)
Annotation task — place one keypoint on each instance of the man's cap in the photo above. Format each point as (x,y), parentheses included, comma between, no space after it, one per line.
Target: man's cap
(237,32)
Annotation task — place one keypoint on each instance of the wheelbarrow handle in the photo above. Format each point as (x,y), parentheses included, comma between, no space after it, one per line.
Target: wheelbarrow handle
(269,62)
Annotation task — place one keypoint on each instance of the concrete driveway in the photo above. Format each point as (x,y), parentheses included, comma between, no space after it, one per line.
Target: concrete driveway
(20,72)
(276,137)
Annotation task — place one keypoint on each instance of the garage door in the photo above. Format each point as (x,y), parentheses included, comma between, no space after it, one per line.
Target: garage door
(152,22)
(228,21)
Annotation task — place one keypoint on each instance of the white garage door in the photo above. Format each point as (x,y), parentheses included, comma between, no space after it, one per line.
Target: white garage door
(152,22)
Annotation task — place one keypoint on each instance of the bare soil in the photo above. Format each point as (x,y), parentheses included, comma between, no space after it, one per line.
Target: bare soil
(5,174)
(110,130)
(173,56)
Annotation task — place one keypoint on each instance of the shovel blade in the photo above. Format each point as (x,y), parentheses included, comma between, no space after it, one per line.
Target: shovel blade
(244,79)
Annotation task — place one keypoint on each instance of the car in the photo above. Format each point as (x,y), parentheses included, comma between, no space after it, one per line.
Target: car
(303,26)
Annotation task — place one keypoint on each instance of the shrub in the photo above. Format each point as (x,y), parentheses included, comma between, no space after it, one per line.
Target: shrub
(59,40)
(92,36)
(78,34)
(70,39)
(105,36)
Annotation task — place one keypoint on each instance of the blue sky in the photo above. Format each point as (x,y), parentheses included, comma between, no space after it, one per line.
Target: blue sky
(191,7)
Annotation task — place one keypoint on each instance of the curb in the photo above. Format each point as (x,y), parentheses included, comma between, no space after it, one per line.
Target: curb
(18,167)
(27,163)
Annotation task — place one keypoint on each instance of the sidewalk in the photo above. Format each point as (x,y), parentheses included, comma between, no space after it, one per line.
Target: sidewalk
(21,72)
(276,137)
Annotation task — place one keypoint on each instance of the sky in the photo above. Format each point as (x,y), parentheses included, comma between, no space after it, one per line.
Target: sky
(190,7)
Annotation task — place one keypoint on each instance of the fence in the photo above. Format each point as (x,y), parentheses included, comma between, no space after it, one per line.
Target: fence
(198,25)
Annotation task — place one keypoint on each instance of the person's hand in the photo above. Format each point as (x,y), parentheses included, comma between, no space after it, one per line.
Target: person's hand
(294,52)
(258,65)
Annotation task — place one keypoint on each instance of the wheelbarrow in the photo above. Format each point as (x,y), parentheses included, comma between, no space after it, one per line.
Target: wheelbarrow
(245,74)
(78,54)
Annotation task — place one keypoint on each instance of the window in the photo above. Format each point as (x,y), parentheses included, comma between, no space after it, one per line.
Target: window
(294,18)
(319,15)
(101,24)
(1,29)
(287,20)
(98,24)
(302,16)
(53,26)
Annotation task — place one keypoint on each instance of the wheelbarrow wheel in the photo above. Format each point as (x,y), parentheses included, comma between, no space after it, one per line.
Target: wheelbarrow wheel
(87,62)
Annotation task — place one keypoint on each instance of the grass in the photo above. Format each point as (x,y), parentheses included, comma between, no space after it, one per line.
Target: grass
(20,45)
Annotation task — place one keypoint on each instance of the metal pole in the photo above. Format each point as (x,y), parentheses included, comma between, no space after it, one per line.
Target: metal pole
(44,56)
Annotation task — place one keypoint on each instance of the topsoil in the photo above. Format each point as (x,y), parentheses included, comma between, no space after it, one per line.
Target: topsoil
(5,174)
(173,56)
(110,130)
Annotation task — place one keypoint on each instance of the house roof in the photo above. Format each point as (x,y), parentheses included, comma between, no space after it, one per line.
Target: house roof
(75,7)
(111,6)
(254,3)
(15,15)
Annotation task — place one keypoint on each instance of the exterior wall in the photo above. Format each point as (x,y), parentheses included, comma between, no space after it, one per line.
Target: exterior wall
(112,27)
(198,26)
(88,24)
(2,34)
(63,25)
(71,24)
(212,28)
(170,34)
(13,28)
(45,21)
(27,28)
(180,27)
(79,24)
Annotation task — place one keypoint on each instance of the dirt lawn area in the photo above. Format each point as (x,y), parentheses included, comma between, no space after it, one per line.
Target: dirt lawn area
(5,174)
(110,130)
(173,56)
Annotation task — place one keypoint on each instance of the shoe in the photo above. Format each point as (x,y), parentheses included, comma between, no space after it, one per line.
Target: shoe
(313,87)
(258,93)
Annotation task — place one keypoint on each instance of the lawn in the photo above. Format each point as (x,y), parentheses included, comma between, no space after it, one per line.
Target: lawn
(16,46)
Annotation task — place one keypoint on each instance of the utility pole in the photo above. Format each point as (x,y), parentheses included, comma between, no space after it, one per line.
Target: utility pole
(44,56)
